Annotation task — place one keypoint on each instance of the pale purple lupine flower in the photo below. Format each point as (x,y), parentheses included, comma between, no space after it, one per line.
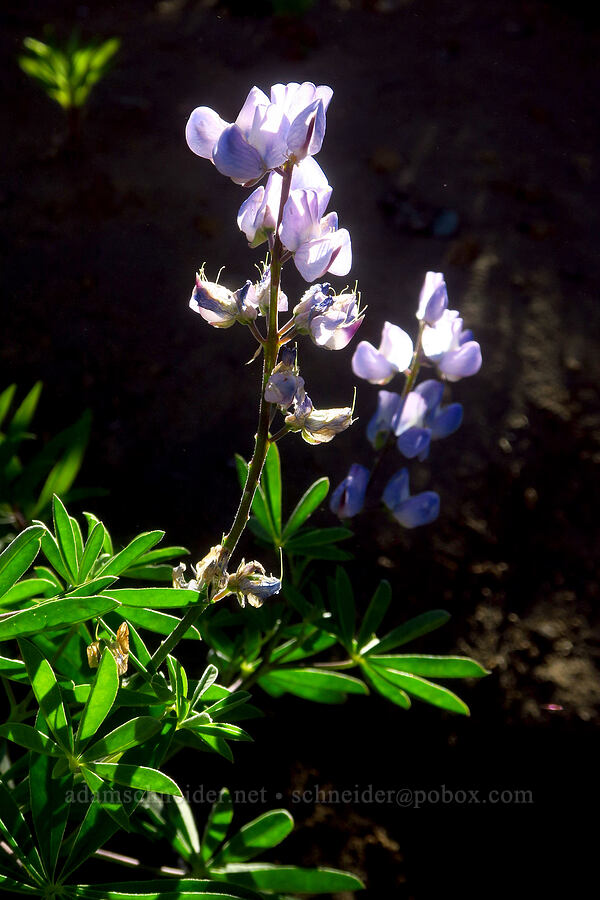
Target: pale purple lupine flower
(453,350)
(315,241)
(382,422)
(433,299)
(394,355)
(317,426)
(331,320)
(349,496)
(257,216)
(411,512)
(266,133)
(259,295)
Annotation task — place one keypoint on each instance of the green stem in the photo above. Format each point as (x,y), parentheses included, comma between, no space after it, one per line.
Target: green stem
(261,445)
(271,349)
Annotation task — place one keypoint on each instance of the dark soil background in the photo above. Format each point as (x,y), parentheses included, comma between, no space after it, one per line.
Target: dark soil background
(463,138)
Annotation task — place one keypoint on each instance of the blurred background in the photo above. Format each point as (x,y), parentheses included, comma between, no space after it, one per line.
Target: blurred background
(463,138)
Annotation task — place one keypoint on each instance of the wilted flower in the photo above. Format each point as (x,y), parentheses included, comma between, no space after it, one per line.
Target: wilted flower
(257,216)
(331,320)
(318,426)
(266,133)
(393,356)
(260,294)
(382,422)
(453,350)
(421,509)
(251,583)
(312,237)
(433,298)
(349,496)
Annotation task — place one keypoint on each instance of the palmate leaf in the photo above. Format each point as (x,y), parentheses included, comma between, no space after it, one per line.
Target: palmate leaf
(131,553)
(217,826)
(275,878)
(431,666)
(260,507)
(15,831)
(53,615)
(18,556)
(129,734)
(164,889)
(100,700)
(30,738)
(255,837)
(47,693)
(138,777)
(49,808)
(375,614)
(343,607)
(390,691)
(65,538)
(271,484)
(312,684)
(306,506)
(92,549)
(411,630)
(425,690)
(26,589)
(154,597)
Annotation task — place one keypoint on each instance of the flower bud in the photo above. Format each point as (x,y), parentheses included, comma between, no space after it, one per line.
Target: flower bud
(433,299)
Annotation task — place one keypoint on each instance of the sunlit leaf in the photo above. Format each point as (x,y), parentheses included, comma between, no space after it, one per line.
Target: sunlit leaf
(101,698)
(18,556)
(306,506)
(261,834)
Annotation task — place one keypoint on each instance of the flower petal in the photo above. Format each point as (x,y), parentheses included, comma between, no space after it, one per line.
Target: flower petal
(348,498)
(461,363)
(414,442)
(370,364)
(233,156)
(203,130)
(396,490)
(419,510)
(447,421)
(396,345)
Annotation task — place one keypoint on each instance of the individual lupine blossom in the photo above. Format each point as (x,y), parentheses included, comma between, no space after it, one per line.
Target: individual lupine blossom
(257,216)
(222,308)
(284,382)
(251,583)
(453,351)
(208,571)
(410,511)
(267,132)
(444,343)
(423,419)
(378,366)
(317,426)
(349,496)
(312,237)
(330,319)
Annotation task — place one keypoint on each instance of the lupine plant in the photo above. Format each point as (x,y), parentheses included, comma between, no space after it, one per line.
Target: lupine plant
(415,417)
(100,704)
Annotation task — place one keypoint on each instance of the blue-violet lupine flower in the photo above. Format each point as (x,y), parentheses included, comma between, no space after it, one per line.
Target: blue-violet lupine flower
(317,426)
(423,419)
(257,216)
(382,422)
(453,350)
(411,512)
(251,583)
(266,133)
(315,241)
(433,299)
(394,355)
(284,385)
(331,320)
(349,496)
